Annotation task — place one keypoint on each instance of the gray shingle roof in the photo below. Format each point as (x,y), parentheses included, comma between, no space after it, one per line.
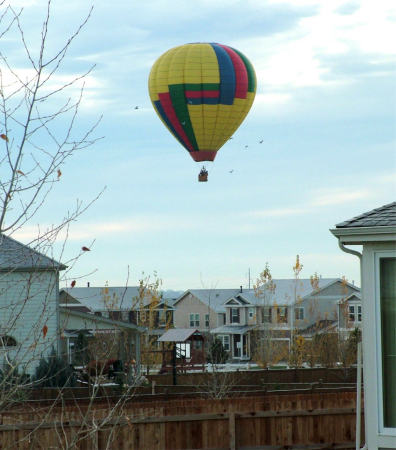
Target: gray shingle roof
(17,256)
(233,329)
(284,291)
(379,217)
(283,294)
(67,313)
(177,335)
(105,298)
(215,298)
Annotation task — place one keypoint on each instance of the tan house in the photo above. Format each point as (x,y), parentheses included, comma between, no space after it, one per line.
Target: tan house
(233,314)
(202,309)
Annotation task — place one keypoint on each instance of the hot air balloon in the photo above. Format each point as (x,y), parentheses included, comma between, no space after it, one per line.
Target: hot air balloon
(202,92)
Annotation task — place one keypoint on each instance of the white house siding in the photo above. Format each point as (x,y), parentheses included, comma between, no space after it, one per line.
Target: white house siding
(28,303)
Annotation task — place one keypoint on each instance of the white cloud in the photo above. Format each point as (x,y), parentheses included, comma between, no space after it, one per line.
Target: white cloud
(321,198)
(278,212)
(338,196)
(296,58)
(272,99)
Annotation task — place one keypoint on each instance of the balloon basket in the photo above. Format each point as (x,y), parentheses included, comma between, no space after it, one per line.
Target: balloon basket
(203,175)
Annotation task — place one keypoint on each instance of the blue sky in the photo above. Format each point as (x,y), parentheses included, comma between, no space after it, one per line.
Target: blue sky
(325,110)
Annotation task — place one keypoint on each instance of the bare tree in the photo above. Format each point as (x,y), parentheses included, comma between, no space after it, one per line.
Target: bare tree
(39,111)
(267,348)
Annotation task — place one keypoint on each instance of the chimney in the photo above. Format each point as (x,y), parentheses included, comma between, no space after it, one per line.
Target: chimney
(240,289)
(87,283)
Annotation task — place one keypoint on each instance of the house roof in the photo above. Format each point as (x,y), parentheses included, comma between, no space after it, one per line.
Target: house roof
(283,294)
(104,298)
(319,327)
(214,298)
(177,335)
(355,297)
(233,329)
(100,319)
(17,256)
(379,217)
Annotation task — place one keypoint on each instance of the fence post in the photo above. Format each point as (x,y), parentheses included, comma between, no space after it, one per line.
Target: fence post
(231,430)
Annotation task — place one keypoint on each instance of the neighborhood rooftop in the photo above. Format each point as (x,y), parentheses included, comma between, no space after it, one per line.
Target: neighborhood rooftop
(103,298)
(379,217)
(282,295)
(16,256)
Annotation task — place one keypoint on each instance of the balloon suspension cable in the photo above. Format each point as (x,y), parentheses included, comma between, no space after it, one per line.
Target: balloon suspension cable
(203,175)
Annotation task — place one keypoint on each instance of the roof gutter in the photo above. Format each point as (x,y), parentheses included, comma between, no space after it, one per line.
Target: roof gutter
(352,252)
(359,358)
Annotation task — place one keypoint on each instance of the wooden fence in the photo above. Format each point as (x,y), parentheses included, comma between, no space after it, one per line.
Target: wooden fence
(310,421)
(309,375)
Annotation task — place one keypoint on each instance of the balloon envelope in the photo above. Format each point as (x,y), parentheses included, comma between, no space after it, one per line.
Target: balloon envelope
(202,92)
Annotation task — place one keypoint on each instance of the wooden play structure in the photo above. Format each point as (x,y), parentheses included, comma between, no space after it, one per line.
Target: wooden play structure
(186,351)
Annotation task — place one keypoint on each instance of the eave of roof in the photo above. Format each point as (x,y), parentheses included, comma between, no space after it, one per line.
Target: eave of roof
(116,323)
(177,334)
(233,329)
(361,235)
(377,225)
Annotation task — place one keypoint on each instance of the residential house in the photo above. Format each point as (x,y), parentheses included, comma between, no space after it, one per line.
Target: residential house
(349,314)
(125,304)
(235,315)
(29,314)
(104,338)
(202,309)
(375,231)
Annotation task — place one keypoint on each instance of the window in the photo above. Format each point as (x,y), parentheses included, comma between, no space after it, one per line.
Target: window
(183,350)
(194,320)
(351,313)
(267,314)
(234,315)
(359,313)
(251,313)
(282,314)
(206,320)
(387,297)
(299,313)
(132,317)
(225,340)
(162,318)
